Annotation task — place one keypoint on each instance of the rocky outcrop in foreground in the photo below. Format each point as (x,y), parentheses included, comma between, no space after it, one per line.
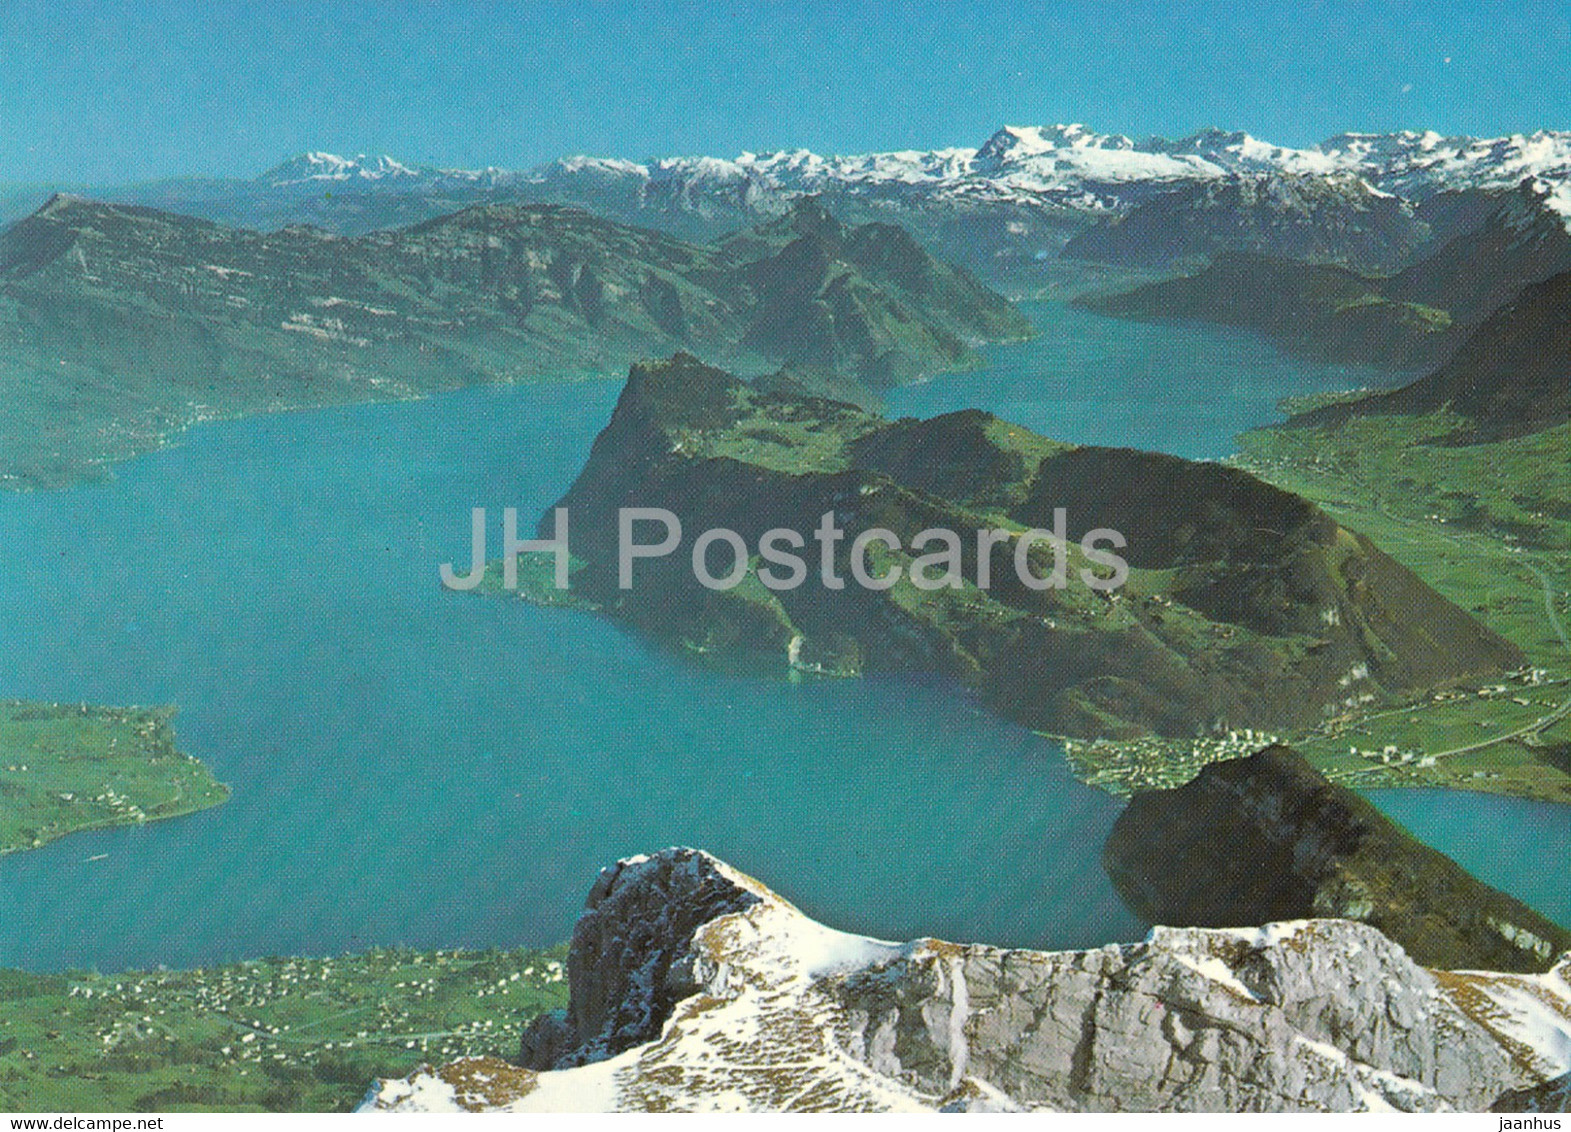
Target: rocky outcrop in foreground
(696,988)
(1269,838)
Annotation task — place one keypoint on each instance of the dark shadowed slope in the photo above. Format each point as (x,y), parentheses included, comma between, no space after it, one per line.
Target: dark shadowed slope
(1319,219)
(1268,838)
(1511,377)
(1412,320)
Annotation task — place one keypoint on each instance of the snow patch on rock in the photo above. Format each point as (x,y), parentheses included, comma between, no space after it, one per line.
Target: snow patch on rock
(779,1013)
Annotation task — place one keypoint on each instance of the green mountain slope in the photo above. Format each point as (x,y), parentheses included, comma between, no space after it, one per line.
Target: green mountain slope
(1244,604)
(119,325)
(1510,377)
(266,1035)
(71,767)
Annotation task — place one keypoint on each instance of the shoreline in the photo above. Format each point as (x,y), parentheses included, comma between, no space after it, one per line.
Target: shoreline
(75,768)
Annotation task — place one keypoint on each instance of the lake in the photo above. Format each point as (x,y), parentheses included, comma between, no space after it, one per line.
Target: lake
(412,766)
(1182,388)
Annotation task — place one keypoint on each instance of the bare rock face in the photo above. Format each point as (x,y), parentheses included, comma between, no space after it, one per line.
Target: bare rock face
(1552,1097)
(696,988)
(631,959)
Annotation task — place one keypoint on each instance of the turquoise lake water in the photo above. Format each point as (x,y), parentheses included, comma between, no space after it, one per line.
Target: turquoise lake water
(435,769)
(1165,387)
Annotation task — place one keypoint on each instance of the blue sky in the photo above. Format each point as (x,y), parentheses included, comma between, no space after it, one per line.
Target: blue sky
(101,92)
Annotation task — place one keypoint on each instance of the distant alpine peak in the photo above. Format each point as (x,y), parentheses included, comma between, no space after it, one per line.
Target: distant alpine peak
(1027,141)
(318,165)
(1537,202)
(1557,198)
(583,163)
(1061,164)
(1415,164)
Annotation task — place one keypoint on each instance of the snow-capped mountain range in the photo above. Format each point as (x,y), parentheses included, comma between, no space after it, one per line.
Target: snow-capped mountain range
(1067,165)
(1004,209)
(316,170)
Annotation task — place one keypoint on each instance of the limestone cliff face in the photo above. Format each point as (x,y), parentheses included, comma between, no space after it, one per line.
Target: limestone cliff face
(632,956)
(1269,838)
(696,988)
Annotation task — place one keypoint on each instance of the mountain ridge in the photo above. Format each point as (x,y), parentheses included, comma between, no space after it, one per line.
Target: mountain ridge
(1246,604)
(1411,320)
(149,320)
(1511,377)
(1322,218)
(1026,159)
(687,975)
(1269,838)
(1004,207)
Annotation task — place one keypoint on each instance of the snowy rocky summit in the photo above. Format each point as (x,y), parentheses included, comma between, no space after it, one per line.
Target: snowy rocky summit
(1418,165)
(317,167)
(696,988)
(1078,166)
(317,171)
(1067,165)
